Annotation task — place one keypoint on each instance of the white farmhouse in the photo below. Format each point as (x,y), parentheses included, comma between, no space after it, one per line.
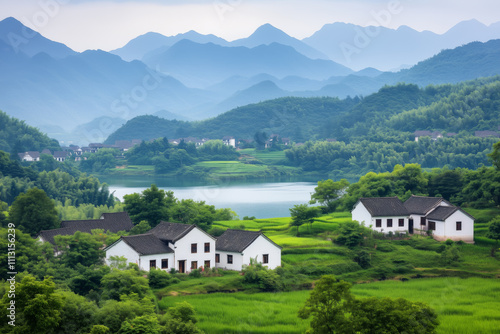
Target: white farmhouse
(235,248)
(169,245)
(382,214)
(389,214)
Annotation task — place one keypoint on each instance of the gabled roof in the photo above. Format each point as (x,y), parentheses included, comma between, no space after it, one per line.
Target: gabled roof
(171,231)
(114,222)
(442,213)
(420,205)
(147,244)
(237,240)
(384,206)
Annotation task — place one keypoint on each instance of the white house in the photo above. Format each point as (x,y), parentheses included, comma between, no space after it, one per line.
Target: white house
(166,246)
(389,214)
(382,214)
(235,248)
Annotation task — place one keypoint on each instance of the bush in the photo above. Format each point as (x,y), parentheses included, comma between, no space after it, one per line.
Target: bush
(159,279)
(351,234)
(196,273)
(363,258)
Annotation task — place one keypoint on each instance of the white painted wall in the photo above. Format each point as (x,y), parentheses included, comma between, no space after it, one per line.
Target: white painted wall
(237,261)
(361,215)
(182,249)
(121,248)
(447,229)
(258,248)
(144,263)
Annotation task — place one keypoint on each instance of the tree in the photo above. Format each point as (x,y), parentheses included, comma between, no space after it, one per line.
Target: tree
(153,205)
(335,310)
(114,313)
(494,233)
(33,211)
(350,234)
(146,324)
(180,319)
(328,192)
(123,282)
(328,304)
(494,156)
(301,214)
(80,248)
(77,314)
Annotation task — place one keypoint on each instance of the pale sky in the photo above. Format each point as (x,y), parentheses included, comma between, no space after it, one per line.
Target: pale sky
(110,24)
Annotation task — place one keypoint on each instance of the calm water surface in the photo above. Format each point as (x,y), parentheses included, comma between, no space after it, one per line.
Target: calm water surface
(262,200)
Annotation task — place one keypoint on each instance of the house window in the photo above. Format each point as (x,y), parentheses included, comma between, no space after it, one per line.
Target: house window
(194,248)
(194,265)
(459,226)
(378,222)
(265,258)
(401,222)
(152,264)
(164,264)
(432,226)
(217,258)
(207,247)
(229,259)
(389,222)
(422,221)
(207,264)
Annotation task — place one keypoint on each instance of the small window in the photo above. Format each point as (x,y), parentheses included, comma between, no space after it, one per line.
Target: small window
(217,258)
(194,265)
(389,222)
(229,259)
(459,226)
(207,247)
(194,248)
(207,264)
(401,222)
(378,222)
(152,264)
(265,258)
(432,226)
(164,264)
(422,221)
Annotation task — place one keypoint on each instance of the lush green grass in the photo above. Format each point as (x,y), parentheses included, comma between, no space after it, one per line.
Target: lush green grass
(463,306)
(267,157)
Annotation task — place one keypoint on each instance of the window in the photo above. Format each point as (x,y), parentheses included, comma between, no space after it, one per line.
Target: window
(152,264)
(164,264)
(207,247)
(194,248)
(217,258)
(194,265)
(389,222)
(265,258)
(459,226)
(207,264)
(432,226)
(401,222)
(229,259)
(422,221)
(378,222)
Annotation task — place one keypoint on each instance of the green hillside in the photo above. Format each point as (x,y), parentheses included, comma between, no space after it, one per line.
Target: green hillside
(16,136)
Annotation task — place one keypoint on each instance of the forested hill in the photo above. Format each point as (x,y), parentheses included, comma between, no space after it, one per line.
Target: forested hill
(16,136)
(393,111)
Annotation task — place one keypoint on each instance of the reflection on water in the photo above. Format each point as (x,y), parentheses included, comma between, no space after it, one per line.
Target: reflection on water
(262,200)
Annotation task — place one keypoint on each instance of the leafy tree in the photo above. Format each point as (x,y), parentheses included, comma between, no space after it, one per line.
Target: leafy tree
(80,248)
(100,161)
(146,324)
(88,279)
(38,306)
(180,319)
(301,214)
(33,211)
(153,205)
(494,156)
(77,314)
(123,282)
(114,313)
(158,278)
(140,228)
(328,192)
(100,329)
(494,233)
(350,234)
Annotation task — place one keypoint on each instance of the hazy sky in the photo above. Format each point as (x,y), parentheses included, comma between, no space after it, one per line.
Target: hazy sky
(95,24)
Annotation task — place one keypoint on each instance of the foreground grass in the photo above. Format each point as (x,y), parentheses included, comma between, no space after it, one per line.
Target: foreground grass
(463,306)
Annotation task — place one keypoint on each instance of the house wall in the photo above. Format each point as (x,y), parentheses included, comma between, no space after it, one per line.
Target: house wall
(237,261)
(144,261)
(361,214)
(447,229)
(121,248)
(260,247)
(182,249)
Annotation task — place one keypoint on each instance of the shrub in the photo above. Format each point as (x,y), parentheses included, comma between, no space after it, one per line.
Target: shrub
(363,258)
(158,278)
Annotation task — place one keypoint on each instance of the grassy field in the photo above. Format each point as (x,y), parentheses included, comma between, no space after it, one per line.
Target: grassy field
(463,306)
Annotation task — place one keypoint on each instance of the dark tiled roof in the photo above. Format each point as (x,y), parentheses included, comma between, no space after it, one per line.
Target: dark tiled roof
(114,222)
(441,213)
(384,206)
(421,205)
(171,231)
(237,240)
(147,244)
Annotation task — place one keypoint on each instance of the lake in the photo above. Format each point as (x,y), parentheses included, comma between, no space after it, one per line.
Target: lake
(262,200)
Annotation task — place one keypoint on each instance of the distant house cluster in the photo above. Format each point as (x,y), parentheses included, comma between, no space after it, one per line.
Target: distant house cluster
(176,246)
(435,135)
(35,155)
(416,214)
